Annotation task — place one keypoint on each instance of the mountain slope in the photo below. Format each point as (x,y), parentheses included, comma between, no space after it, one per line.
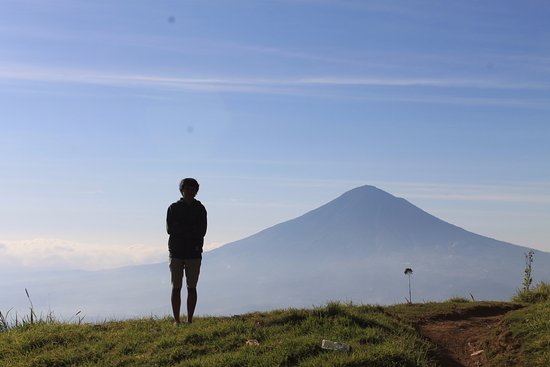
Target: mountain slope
(356,248)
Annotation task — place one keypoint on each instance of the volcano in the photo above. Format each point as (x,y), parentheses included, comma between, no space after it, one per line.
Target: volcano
(355,248)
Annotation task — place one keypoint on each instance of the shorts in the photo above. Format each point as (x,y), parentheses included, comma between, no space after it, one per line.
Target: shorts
(192,269)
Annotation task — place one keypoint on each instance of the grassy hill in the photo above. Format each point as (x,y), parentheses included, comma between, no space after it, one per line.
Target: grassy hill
(378,336)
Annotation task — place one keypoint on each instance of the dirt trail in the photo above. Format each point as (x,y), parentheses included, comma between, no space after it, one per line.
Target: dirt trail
(461,338)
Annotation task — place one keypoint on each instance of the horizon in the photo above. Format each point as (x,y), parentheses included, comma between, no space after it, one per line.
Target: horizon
(98,252)
(276,108)
(366,266)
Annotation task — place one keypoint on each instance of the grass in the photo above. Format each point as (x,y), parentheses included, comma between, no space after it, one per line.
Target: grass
(285,338)
(378,336)
(450,310)
(541,293)
(524,336)
(529,328)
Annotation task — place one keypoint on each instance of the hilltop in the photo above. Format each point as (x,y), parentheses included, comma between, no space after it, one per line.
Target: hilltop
(475,334)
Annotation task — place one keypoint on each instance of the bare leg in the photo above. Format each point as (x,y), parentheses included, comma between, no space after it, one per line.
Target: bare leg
(191,303)
(176,303)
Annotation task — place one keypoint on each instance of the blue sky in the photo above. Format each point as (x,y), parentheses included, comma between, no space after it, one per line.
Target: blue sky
(276,107)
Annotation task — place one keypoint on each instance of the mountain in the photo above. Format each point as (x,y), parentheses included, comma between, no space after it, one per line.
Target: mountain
(354,248)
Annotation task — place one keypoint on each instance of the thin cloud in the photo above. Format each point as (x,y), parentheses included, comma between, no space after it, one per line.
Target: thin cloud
(31,73)
(504,197)
(285,53)
(397,89)
(422,82)
(251,204)
(521,192)
(517,192)
(50,253)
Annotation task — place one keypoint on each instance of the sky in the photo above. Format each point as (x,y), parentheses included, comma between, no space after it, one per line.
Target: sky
(275,106)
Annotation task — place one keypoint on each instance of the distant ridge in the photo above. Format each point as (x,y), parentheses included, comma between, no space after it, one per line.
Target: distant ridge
(353,248)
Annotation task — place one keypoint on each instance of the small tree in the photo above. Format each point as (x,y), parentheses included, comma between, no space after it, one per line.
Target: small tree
(527,278)
(408,272)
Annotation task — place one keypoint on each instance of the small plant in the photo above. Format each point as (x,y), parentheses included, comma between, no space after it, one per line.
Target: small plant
(32,314)
(540,293)
(76,317)
(408,272)
(15,321)
(4,325)
(527,278)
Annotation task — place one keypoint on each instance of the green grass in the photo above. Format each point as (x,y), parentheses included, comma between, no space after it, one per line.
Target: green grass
(540,293)
(530,329)
(525,334)
(378,336)
(286,338)
(452,309)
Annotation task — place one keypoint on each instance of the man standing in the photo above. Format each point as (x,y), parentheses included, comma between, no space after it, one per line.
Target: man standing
(186,225)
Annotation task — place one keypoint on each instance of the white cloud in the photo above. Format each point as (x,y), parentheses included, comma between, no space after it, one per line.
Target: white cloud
(49,253)
(222,83)
(520,192)
(346,87)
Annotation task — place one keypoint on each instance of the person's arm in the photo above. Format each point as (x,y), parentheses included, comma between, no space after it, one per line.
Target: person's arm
(202,222)
(171,225)
(168,221)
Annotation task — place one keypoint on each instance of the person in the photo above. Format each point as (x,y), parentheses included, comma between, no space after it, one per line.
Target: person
(186,226)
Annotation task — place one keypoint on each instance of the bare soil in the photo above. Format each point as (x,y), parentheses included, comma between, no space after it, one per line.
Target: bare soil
(463,338)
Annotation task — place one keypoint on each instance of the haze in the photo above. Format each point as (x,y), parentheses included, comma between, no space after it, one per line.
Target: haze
(275,107)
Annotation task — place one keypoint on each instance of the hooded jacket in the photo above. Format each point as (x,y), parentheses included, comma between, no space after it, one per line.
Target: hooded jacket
(186,225)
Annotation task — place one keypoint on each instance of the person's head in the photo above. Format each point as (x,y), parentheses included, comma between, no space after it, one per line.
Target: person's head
(189,187)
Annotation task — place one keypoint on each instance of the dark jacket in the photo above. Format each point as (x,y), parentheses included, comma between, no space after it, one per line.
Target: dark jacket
(186,225)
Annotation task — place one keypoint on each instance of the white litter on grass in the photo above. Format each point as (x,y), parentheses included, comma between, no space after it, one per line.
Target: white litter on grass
(330,345)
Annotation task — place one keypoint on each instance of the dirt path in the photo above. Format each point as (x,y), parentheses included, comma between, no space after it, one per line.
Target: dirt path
(461,338)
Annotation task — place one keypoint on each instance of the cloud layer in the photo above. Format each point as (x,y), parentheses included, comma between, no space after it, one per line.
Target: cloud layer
(59,254)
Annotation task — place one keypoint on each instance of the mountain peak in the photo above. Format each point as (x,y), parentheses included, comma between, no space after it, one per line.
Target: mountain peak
(367,188)
(364,200)
(366,192)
